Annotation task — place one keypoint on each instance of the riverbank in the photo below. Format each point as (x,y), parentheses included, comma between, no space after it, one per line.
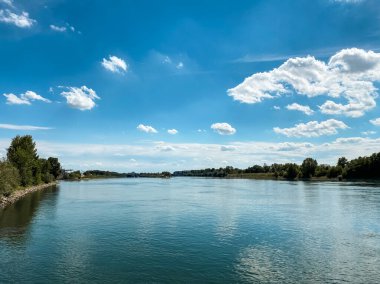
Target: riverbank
(18,194)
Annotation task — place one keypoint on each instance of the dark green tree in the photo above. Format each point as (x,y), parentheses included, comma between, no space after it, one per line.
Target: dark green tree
(292,171)
(308,167)
(22,154)
(342,162)
(55,167)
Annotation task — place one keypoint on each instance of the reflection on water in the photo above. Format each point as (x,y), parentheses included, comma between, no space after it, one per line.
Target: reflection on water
(15,219)
(194,230)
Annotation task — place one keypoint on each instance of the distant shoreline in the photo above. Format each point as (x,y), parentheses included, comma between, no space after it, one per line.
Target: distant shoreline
(18,194)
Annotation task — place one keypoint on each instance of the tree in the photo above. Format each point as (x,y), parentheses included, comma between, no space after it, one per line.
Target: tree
(45,167)
(22,154)
(342,162)
(9,178)
(292,171)
(55,167)
(308,167)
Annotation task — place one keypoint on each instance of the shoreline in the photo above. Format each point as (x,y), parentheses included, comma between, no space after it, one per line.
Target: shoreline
(18,194)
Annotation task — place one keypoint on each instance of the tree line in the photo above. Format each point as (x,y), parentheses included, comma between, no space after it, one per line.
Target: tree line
(22,166)
(359,168)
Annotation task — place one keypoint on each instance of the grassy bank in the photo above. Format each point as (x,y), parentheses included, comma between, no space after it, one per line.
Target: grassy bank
(18,194)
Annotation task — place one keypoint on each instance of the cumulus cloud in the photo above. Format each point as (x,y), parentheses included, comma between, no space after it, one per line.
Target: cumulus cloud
(173,131)
(19,20)
(82,98)
(23,127)
(375,122)
(12,99)
(305,109)
(276,107)
(24,99)
(223,128)
(312,128)
(350,74)
(146,128)
(114,64)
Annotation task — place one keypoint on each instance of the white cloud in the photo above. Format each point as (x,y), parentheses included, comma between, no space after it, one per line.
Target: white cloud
(24,99)
(20,20)
(375,122)
(276,107)
(172,131)
(224,148)
(312,128)
(151,156)
(32,96)
(146,128)
(223,128)
(348,1)
(23,127)
(180,65)
(305,109)
(165,148)
(80,98)
(12,99)
(115,64)
(350,74)
(58,28)
(7,2)
(368,133)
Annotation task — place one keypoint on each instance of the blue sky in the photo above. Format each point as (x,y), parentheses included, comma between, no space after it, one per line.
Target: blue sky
(100,84)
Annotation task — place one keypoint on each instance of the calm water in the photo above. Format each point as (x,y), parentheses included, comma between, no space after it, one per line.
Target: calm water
(193,230)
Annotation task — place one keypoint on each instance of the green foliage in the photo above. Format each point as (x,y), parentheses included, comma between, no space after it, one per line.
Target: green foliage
(22,154)
(322,170)
(9,178)
(292,171)
(342,162)
(334,172)
(55,167)
(23,167)
(308,167)
(72,175)
(363,167)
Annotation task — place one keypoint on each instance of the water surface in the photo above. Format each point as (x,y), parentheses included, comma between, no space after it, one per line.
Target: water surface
(193,230)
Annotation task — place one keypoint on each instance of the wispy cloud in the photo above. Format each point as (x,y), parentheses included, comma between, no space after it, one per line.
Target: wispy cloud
(19,20)
(24,99)
(7,2)
(58,28)
(23,127)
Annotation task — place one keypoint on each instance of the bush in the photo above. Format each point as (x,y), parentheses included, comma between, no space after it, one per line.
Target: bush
(9,178)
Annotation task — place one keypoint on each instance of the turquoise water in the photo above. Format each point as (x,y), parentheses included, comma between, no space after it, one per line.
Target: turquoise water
(193,230)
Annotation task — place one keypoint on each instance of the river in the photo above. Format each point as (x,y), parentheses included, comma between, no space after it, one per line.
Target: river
(193,230)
